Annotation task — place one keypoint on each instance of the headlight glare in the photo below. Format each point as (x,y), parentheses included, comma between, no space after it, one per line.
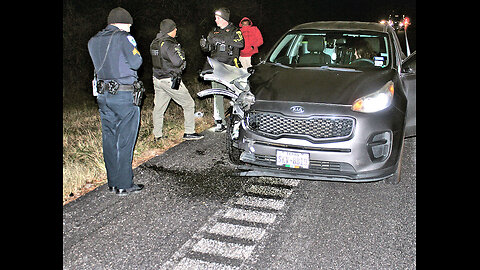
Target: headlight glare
(376,101)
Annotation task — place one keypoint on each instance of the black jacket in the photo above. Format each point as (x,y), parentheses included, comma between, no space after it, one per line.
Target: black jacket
(168,57)
(123,59)
(233,42)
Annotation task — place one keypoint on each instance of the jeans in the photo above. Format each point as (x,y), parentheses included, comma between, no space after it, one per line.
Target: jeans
(120,123)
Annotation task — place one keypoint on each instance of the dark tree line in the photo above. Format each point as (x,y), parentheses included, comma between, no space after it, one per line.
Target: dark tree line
(83,19)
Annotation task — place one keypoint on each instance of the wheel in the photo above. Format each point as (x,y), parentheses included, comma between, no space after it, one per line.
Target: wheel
(395,178)
(233,152)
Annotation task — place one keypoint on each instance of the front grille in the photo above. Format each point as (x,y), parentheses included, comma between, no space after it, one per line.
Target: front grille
(318,127)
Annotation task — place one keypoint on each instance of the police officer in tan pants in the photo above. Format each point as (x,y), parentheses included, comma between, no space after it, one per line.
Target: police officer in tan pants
(168,63)
(163,94)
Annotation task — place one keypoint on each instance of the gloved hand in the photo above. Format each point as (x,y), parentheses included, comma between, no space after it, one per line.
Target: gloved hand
(203,42)
(204,45)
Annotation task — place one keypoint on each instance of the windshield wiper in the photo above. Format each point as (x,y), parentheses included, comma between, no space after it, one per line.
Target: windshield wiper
(279,64)
(338,69)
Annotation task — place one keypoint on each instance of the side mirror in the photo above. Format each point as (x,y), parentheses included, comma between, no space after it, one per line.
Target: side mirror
(408,70)
(409,65)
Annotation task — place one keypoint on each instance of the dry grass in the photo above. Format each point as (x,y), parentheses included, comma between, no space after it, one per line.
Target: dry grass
(83,166)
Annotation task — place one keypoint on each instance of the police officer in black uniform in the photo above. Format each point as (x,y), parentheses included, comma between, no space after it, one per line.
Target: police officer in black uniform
(168,59)
(116,60)
(224,43)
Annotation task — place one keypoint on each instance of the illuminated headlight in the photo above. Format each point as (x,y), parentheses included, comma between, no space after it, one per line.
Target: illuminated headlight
(376,101)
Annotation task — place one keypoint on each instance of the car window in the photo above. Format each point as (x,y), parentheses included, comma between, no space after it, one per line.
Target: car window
(342,49)
(282,52)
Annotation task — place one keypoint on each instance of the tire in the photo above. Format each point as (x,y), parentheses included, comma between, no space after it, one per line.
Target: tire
(233,152)
(395,178)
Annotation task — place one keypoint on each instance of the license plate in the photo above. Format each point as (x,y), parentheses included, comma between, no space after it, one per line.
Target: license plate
(293,159)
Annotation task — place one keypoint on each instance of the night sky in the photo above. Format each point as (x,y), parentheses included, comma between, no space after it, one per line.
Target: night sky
(83,19)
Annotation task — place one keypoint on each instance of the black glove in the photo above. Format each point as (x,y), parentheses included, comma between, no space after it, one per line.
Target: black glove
(204,45)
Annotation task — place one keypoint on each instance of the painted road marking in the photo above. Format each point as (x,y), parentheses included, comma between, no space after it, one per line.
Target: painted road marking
(261,202)
(270,191)
(229,250)
(239,231)
(189,264)
(231,245)
(278,181)
(250,215)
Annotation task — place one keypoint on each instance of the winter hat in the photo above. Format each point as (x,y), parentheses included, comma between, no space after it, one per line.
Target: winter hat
(119,15)
(223,12)
(167,26)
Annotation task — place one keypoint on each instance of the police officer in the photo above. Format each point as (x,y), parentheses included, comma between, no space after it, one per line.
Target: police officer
(224,43)
(168,60)
(116,60)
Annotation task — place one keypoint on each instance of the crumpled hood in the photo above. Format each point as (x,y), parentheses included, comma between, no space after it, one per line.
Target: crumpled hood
(336,86)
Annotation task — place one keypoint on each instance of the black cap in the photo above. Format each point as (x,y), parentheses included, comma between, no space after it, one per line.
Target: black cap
(167,26)
(119,15)
(223,12)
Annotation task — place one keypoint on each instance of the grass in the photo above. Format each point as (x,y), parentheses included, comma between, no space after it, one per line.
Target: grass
(83,165)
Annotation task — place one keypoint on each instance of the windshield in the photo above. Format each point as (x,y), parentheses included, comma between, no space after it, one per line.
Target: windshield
(332,49)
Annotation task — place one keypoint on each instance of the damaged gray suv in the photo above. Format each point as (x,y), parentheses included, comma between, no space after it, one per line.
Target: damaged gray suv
(331,101)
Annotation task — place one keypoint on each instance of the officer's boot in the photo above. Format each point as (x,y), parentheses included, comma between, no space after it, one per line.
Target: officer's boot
(220,126)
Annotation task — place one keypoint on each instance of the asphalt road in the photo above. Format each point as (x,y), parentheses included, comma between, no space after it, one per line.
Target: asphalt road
(196,214)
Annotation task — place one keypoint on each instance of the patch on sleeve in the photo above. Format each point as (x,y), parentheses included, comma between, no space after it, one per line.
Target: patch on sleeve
(179,52)
(132,40)
(239,35)
(135,51)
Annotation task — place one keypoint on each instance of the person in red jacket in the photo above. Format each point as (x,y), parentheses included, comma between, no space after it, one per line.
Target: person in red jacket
(253,39)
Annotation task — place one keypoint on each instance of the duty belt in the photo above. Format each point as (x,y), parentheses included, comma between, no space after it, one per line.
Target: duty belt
(125,87)
(113,87)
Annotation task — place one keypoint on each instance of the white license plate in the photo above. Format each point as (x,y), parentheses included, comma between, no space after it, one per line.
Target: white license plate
(293,159)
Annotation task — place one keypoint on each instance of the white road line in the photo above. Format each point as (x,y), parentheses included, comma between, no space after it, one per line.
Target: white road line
(250,215)
(198,243)
(261,202)
(229,250)
(279,181)
(189,264)
(239,231)
(270,191)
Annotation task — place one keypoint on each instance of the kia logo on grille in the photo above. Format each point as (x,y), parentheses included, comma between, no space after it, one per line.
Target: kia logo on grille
(297,109)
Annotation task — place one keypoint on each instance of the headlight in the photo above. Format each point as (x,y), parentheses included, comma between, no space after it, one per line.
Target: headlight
(245,100)
(376,101)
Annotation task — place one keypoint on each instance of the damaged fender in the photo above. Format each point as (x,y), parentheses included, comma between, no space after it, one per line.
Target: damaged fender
(217,91)
(235,79)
